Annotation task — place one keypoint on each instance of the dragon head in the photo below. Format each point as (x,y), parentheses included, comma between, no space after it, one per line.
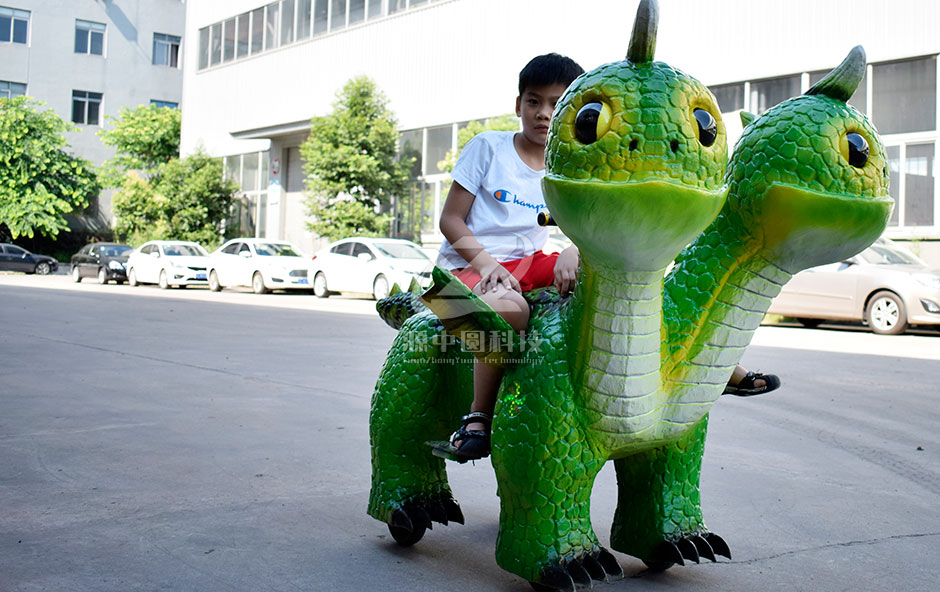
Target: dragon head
(809,176)
(635,157)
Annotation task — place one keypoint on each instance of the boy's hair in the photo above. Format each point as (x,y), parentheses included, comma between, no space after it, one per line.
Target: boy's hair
(550,68)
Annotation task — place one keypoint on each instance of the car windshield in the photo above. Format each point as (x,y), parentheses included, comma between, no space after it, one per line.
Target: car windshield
(183,250)
(888,254)
(114,250)
(275,250)
(401,251)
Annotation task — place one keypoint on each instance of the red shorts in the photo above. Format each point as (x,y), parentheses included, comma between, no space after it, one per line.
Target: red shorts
(535,271)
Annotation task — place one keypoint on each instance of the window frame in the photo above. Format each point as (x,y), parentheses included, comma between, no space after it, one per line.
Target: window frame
(172,51)
(90,29)
(89,98)
(16,15)
(7,90)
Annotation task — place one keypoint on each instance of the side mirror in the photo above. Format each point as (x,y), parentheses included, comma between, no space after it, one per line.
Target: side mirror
(365,257)
(244,254)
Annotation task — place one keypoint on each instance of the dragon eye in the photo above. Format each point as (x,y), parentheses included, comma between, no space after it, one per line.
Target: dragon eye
(592,122)
(858,150)
(707,128)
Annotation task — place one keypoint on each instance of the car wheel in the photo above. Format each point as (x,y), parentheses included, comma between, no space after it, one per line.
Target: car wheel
(214,284)
(164,281)
(809,323)
(102,276)
(886,314)
(43,268)
(380,287)
(319,286)
(76,274)
(257,283)
(132,278)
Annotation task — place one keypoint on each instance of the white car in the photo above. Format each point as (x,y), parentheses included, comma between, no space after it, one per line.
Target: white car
(259,263)
(167,263)
(369,265)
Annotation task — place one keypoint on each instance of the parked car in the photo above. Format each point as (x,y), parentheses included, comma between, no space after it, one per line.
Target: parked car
(259,263)
(14,258)
(369,265)
(105,261)
(167,263)
(885,286)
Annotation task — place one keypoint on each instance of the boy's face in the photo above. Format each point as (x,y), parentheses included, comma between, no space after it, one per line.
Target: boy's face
(535,108)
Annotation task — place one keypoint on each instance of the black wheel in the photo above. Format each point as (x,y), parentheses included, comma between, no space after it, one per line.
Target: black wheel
(380,287)
(886,314)
(43,268)
(809,323)
(132,278)
(76,274)
(319,286)
(405,537)
(257,283)
(214,284)
(102,276)
(164,281)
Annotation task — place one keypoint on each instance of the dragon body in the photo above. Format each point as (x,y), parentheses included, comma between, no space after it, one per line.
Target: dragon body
(628,367)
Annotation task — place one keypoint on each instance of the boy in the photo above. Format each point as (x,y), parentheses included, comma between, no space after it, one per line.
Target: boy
(493,242)
(489,222)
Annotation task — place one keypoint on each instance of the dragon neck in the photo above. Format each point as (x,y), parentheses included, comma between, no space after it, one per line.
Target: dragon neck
(617,325)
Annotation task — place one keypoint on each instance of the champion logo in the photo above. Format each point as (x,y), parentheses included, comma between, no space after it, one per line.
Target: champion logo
(506,196)
(503,195)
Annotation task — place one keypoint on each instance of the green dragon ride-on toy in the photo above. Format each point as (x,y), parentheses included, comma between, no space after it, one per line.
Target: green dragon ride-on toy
(627,367)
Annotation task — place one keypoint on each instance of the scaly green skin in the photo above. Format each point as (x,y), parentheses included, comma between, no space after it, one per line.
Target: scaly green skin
(630,365)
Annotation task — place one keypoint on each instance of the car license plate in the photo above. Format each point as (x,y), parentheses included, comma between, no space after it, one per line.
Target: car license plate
(302,281)
(200,276)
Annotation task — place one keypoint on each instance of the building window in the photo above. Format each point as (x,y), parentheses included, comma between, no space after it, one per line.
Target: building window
(271,29)
(228,44)
(905,96)
(357,11)
(169,104)
(439,143)
(375,9)
(730,97)
(89,37)
(257,30)
(338,18)
(767,93)
(215,52)
(321,14)
(8,90)
(166,50)
(203,48)
(396,5)
(14,25)
(244,30)
(304,15)
(86,107)
(287,22)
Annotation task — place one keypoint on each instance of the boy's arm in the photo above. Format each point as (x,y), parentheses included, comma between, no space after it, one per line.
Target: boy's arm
(566,270)
(454,227)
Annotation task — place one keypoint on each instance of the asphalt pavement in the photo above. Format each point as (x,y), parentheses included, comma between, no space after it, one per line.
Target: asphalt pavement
(187,440)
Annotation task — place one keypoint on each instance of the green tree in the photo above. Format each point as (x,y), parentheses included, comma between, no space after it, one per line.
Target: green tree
(144,138)
(508,122)
(351,156)
(185,199)
(40,181)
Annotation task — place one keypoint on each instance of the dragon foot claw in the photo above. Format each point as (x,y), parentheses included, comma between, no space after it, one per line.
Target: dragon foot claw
(582,571)
(409,522)
(690,547)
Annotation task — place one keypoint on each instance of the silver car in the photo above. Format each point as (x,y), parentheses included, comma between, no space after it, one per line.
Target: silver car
(885,286)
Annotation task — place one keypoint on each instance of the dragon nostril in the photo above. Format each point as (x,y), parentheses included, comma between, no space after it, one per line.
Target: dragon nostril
(674,145)
(633,144)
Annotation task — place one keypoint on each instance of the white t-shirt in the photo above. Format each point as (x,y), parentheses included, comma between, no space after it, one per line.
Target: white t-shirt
(504,215)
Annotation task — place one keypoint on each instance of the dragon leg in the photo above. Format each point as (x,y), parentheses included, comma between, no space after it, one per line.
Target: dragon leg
(545,468)
(659,513)
(416,398)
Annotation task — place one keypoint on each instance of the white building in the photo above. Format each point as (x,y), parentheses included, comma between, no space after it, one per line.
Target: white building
(258,71)
(88,58)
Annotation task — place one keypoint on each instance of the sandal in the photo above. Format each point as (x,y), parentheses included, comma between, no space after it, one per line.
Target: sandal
(474,444)
(746,387)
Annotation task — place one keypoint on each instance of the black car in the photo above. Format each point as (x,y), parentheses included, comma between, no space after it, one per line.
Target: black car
(13,258)
(105,261)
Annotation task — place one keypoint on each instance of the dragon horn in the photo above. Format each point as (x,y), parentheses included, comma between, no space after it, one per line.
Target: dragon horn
(841,83)
(643,39)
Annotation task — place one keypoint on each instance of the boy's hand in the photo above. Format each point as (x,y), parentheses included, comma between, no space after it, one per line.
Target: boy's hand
(566,270)
(497,275)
